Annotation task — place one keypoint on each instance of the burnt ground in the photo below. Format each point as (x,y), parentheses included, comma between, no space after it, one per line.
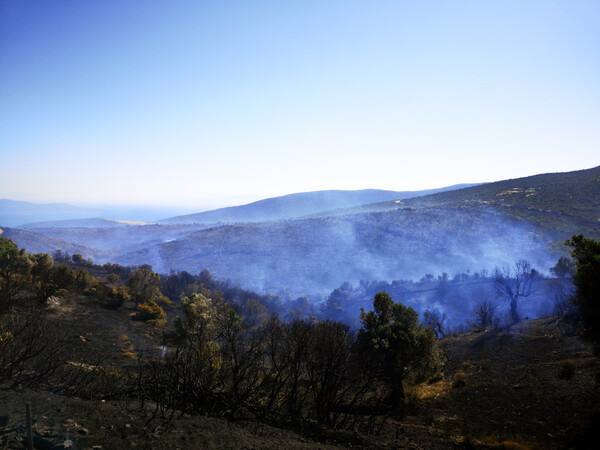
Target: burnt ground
(534,385)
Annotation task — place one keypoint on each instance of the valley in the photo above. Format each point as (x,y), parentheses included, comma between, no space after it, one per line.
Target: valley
(456,230)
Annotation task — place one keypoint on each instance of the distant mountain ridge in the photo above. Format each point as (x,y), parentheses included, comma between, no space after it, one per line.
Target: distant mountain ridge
(15,213)
(95,222)
(22,214)
(472,228)
(299,205)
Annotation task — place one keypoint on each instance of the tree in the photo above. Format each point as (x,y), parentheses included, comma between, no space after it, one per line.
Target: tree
(435,319)
(199,315)
(586,253)
(15,270)
(484,315)
(513,283)
(144,285)
(398,344)
(328,366)
(563,285)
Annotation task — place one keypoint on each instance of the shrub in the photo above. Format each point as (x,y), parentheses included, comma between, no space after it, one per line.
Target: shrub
(567,370)
(460,379)
(150,312)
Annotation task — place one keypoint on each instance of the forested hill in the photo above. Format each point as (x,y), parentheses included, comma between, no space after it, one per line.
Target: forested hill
(562,203)
(316,255)
(577,191)
(299,205)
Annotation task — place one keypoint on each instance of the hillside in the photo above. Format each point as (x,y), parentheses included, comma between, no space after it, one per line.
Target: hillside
(37,243)
(107,239)
(565,203)
(297,205)
(317,255)
(531,386)
(465,229)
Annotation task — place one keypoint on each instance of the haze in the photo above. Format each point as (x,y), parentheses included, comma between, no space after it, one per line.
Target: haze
(196,103)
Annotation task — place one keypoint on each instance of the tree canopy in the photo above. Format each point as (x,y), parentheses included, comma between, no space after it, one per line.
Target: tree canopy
(397,343)
(586,253)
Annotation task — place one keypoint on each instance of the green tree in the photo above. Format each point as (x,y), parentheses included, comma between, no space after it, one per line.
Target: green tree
(15,270)
(144,286)
(586,253)
(199,315)
(397,344)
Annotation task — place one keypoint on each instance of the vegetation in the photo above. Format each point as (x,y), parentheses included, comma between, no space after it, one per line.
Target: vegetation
(396,344)
(561,202)
(586,253)
(188,345)
(514,283)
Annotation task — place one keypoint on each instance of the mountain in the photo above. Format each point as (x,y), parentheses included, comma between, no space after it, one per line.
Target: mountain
(95,222)
(467,229)
(563,203)
(37,243)
(298,205)
(473,228)
(35,215)
(317,255)
(15,213)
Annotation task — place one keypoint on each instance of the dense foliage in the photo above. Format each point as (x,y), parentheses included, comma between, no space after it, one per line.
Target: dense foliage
(586,253)
(224,351)
(396,343)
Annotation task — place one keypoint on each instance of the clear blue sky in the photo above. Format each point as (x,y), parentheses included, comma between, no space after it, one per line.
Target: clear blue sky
(204,101)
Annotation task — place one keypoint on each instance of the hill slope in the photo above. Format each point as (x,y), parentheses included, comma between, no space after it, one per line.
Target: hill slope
(37,243)
(317,255)
(564,203)
(297,205)
(118,239)
(514,393)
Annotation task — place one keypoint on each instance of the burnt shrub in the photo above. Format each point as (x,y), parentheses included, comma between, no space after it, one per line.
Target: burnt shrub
(567,370)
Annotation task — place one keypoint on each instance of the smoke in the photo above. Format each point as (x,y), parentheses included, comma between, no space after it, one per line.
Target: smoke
(313,256)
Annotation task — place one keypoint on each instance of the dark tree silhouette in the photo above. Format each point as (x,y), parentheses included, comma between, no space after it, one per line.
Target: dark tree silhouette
(398,343)
(513,283)
(586,253)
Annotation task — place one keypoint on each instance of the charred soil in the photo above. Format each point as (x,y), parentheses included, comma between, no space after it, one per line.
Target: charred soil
(534,385)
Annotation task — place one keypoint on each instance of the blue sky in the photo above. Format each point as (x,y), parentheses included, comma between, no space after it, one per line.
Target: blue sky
(196,103)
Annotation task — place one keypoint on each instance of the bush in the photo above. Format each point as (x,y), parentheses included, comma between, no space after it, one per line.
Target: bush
(460,380)
(567,370)
(150,312)
(114,297)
